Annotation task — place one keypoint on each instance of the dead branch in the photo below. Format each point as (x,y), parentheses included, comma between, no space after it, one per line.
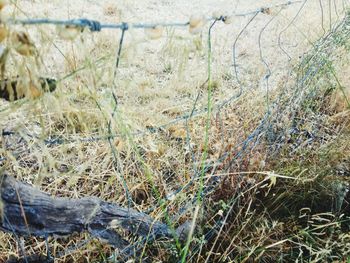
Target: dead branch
(28,211)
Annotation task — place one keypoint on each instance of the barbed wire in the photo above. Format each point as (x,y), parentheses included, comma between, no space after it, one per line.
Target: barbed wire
(96,26)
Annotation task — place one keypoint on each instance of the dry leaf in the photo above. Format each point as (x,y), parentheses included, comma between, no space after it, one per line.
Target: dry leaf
(154,32)
(22,44)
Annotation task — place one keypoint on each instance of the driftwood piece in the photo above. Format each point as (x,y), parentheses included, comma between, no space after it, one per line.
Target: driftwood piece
(27,211)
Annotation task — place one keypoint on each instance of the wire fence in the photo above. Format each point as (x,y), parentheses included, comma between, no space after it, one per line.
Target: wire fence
(96,26)
(233,157)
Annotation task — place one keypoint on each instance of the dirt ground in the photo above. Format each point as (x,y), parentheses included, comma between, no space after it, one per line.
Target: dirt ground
(163,76)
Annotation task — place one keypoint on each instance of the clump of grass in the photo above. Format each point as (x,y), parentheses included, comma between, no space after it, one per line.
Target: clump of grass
(300,211)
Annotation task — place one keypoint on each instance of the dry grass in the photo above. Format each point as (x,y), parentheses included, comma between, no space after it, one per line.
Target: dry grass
(251,214)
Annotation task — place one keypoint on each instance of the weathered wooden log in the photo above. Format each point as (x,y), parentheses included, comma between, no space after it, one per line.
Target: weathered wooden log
(27,211)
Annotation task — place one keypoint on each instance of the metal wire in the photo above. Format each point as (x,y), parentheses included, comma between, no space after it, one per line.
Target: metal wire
(96,26)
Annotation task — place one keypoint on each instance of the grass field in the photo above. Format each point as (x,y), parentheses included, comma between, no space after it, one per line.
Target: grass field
(244,134)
